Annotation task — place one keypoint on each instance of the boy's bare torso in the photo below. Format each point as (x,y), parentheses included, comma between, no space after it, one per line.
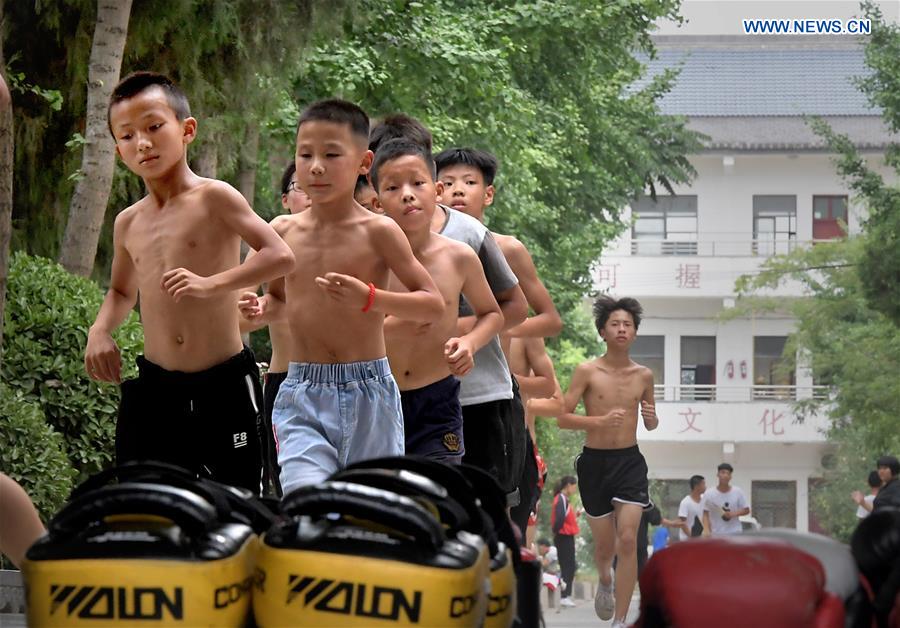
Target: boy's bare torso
(193,334)
(609,389)
(416,350)
(517,358)
(321,330)
(280,339)
(279,331)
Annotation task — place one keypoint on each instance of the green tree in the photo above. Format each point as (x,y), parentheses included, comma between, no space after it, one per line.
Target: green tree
(851,348)
(47,317)
(879,262)
(235,65)
(547,86)
(88,204)
(847,324)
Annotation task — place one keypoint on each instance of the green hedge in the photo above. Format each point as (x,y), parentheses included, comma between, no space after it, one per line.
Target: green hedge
(48,313)
(33,453)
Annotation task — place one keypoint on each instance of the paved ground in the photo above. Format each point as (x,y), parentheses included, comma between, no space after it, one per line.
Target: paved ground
(583,615)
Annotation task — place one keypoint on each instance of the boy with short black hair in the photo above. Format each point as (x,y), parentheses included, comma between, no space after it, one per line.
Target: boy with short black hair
(486,394)
(724,505)
(195,402)
(399,126)
(427,358)
(612,473)
(339,403)
(468,177)
(690,510)
(365,194)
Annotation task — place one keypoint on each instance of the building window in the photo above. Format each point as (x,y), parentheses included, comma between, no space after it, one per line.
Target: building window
(698,368)
(770,379)
(774,504)
(650,351)
(829,217)
(774,223)
(814,512)
(667,226)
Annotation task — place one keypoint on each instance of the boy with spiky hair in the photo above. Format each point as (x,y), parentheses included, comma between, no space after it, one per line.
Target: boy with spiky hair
(427,360)
(196,401)
(339,402)
(612,473)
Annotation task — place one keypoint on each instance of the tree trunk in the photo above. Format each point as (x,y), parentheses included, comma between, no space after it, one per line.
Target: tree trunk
(247,164)
(206,163)
(88,205)
(6,183)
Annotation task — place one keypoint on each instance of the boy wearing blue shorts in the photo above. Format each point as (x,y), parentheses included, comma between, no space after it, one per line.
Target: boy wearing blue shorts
(339,403)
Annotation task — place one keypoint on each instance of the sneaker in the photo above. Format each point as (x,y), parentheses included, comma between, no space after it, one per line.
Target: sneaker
(567,602)
(605,600)
(619,623)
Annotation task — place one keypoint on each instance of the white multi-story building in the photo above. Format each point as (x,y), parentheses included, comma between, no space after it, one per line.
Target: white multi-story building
(765,184)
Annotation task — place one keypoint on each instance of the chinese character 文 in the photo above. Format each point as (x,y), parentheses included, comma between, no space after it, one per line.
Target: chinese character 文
(690,418)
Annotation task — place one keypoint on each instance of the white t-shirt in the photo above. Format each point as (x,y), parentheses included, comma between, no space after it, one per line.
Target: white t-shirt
(861,512)
(716,503)
(689,510)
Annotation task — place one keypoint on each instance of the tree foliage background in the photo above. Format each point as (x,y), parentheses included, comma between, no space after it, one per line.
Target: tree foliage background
(848,327)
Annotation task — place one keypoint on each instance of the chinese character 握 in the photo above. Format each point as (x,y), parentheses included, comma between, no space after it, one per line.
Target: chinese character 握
(688,275)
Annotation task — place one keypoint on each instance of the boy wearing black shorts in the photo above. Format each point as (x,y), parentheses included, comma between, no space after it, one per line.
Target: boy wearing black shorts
(196,401)
(427,359)
(612,473)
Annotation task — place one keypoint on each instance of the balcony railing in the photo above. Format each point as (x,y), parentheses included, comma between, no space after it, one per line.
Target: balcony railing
(718,247)
(738,394)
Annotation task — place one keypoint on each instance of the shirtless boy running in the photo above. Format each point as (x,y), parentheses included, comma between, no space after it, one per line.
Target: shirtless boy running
(195,402)
(612,473)
(426,359)
(339,403)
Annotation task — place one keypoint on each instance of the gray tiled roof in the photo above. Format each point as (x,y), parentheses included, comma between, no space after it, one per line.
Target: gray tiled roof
(764,82)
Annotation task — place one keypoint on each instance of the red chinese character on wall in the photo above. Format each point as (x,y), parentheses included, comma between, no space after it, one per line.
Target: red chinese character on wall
(769,422)
(690,418)
(607,274)
(688,275)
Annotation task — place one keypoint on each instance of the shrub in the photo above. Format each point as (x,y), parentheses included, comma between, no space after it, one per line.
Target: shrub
(33,453)
(48,313)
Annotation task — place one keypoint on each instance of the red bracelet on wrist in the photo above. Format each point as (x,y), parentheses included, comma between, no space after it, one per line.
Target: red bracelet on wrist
(371,300)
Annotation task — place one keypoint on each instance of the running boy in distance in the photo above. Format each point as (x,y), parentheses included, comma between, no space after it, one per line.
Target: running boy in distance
(426,358)
(194,402)
(339,403)
(612,473)
(294,200)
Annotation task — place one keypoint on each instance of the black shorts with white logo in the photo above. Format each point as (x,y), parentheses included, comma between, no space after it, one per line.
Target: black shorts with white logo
(433,422)
(611,475)
(210,422)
